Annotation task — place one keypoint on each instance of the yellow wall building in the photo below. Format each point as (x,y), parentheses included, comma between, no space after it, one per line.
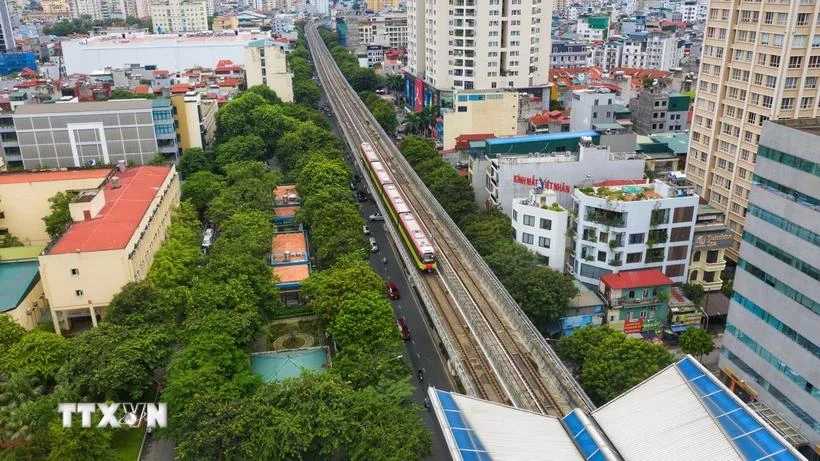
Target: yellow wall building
(380,5)
(712,239)
(55,8)
(24,199)
(196,119)
(265,64)
(117,229)
(227,22)
(21,290)
(481,112)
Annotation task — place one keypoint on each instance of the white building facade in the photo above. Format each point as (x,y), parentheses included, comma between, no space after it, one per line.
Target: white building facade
(175,16)
(540,224)
(463,44)
(266,64)
(632,227)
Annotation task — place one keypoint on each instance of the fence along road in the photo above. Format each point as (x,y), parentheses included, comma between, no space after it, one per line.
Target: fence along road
(494,348)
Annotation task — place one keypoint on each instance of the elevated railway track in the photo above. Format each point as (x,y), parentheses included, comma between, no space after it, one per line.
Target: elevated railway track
(494,349)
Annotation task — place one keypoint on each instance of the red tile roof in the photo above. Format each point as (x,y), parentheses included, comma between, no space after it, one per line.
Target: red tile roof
(636,279)
(26,72)
(544,117)
(160,73)
(118,220)
(142,89)
(45,176)
(180,88)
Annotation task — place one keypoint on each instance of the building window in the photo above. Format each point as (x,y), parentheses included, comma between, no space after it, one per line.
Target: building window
(529,220)
(654,255)
(680,234)
(602,256)
(78,292)
(674,270)
(677,253)
(75,271)
(515,215)
(696,256)
(527,238)
(546,224)
(543,242)
(634,257)
(635,239)
(683,214)
(659,216)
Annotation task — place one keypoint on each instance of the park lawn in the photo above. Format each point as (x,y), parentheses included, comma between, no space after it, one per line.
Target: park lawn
(127,443)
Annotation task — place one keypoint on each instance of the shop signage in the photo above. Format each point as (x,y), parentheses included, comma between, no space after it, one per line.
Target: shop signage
(543,183)
(693,318)
(712,241)
(633,326)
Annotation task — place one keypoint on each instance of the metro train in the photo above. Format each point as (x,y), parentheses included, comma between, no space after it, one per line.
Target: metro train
(412,230)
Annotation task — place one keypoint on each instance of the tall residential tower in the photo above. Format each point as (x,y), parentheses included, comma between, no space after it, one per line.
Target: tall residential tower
(760,61)
(471,44)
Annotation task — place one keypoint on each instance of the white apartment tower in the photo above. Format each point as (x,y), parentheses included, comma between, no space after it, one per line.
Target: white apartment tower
(174,16)
(760,61)
(475,44)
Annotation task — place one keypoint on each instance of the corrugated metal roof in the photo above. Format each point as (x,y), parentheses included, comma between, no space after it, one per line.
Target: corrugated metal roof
(665,421)
(541,137)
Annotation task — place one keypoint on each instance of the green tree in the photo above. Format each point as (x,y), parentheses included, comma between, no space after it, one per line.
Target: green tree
(9,240)
(215,428)
(385,114)
(240,149)
(263,90)
(696,342)
(18,391)
(125,94)
(306,92)
(236,117)
(609,362)
(394,83)
(77,442)
(10,332)
(248,187)
(113,362)
(301,68)
(336,232)
(38,353)
(694,291)
(196,159)
(326,290)
(200,188)
(59,217)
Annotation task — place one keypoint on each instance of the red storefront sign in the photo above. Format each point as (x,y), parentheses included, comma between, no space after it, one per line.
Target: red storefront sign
(633,326)
(419,94)
(542,183)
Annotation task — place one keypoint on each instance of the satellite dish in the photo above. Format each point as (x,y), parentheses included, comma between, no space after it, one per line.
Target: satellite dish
(91,162)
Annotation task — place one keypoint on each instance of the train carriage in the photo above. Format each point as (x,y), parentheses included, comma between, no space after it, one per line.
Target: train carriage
(412,231)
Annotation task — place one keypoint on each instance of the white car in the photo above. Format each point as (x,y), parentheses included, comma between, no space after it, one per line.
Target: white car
(366,230)
(376,217)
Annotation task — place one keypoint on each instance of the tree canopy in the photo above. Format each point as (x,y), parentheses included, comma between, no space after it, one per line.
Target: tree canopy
(608,362)
(696,342)
(59,217)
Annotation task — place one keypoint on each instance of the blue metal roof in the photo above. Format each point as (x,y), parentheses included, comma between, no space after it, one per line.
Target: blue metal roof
(542,137)
(751,438)
(583,440)
(469,445)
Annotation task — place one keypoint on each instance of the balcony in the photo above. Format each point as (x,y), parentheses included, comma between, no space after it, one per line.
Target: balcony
(606,217)
(628,302)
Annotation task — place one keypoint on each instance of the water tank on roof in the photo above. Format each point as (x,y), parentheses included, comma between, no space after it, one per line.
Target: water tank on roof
(586,141)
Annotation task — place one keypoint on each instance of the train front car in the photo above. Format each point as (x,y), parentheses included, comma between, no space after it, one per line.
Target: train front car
(419,242)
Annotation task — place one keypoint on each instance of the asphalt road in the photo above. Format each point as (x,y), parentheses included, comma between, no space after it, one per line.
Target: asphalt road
(422,351)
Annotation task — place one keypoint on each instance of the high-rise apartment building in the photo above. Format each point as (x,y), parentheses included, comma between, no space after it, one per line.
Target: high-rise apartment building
(266,64)
(467,44)
(760,61)
(173,16)
(6,31)
(771,346)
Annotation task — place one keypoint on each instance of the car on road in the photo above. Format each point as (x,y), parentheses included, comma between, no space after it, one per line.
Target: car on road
(403,330)
(361,195)
(374,247)
(376,217)
(366,230)
(392,290)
